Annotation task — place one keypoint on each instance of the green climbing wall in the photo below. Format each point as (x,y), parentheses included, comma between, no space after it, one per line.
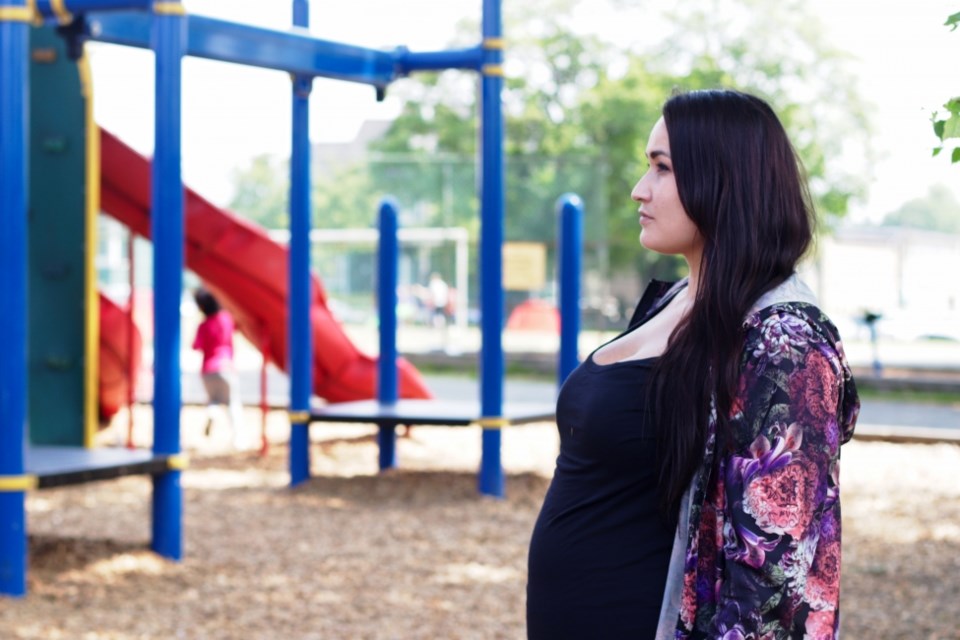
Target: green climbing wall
(57,243)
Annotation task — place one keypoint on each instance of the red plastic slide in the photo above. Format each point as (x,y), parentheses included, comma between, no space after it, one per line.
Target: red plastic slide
(248,273)
(115,353)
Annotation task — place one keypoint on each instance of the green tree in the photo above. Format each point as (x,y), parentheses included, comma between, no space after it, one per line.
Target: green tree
(947,128)
(578,110)
(345,199)
(261,192)
(779,51)
(571,96)
(426,157)
(342,199)
(939,210)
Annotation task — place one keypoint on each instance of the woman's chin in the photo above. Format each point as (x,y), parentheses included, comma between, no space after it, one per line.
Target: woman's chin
(648,243)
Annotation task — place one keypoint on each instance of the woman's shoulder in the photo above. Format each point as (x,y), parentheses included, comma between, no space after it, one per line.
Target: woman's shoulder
(790,316)
(789,310)
(789,330)
(792,346)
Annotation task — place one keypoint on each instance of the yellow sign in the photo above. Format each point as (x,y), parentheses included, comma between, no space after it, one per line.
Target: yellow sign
(524,266)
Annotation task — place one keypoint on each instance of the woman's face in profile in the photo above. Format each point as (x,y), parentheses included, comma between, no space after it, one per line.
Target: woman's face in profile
(666,227)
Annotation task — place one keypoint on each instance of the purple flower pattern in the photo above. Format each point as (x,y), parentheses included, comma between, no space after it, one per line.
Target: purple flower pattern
(763,551)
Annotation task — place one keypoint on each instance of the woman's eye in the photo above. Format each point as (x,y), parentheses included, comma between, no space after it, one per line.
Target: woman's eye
(662,167)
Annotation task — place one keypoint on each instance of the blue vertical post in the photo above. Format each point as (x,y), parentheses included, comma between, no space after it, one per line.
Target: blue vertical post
(14,98)
(491,251)
(388,258)
(569,259)
(299,346)
(167,211)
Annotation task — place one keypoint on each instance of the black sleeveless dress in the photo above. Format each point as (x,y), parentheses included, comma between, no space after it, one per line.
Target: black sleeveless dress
(600,550)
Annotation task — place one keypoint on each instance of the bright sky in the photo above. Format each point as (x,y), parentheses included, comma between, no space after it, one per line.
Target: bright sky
(903,55)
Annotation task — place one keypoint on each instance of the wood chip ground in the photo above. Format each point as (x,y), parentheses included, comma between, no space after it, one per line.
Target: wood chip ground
(413,553)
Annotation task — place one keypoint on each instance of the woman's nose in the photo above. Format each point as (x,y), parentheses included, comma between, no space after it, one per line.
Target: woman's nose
(639,193)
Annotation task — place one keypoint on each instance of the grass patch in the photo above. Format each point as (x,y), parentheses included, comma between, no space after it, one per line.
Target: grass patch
(942,398)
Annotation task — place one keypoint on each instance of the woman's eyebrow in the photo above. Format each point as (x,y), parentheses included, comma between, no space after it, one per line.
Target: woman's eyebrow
(657,153)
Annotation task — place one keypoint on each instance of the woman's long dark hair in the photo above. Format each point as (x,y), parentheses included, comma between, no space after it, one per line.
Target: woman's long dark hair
(740,182)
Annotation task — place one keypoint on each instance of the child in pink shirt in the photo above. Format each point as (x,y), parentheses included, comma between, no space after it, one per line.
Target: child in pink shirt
(215,340)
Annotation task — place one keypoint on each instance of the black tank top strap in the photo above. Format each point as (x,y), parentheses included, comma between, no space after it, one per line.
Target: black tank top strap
(657,294)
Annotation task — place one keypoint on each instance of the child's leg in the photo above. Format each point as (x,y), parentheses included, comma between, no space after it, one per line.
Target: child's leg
(218,396)
(235,408)
(215,416)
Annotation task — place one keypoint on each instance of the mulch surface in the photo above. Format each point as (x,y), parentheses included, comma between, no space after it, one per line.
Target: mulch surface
(414,552)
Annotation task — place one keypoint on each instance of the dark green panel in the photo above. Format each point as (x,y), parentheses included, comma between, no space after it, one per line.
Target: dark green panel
(57,243)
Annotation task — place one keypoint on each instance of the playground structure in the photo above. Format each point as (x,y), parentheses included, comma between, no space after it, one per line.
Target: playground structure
(165,27)
(247,272)
(417,240)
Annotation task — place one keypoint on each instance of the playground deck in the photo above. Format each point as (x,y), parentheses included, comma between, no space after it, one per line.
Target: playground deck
(56,466)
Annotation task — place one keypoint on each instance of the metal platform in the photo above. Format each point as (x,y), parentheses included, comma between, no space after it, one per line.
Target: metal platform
(429,412)
(58,466)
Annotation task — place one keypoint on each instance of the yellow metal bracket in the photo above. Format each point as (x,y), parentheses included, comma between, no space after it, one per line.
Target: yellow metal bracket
(178,462)
(17,14)
(92,211)
(492,70)
(298,417)
(18,483)
(493,43)
(169,9)
(492,423)
(59,9)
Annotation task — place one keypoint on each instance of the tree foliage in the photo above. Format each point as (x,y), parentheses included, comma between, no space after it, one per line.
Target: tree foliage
(573,97)
(779,51)
(939,210)
(578,110)
(262,191)
(947,127)
(342,199)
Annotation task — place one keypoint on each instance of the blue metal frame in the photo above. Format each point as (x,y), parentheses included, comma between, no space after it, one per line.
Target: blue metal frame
(299,346)
(173,35)
(407,61)
(569,252)
(167,204)
(294,52)
(491,481)
(14,125)
(388,260)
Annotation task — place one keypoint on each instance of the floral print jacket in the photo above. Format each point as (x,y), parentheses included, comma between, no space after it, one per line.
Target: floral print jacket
(759,555)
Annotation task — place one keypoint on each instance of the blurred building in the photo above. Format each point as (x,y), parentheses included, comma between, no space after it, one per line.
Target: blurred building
(909,276)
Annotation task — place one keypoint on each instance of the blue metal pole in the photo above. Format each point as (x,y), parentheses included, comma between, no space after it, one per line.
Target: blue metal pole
(293,52)
(569,253)
(388,257)
(408,61)
(14,98)
(491,251)
(167,205)
(299,346)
